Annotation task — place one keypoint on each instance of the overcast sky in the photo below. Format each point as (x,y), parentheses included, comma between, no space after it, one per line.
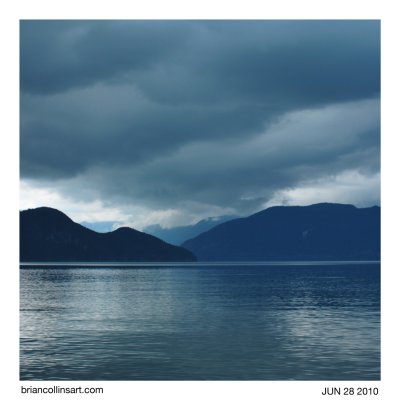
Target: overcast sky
(169,122)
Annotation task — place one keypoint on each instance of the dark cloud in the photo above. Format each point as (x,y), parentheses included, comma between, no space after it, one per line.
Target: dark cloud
(177,113)
(245,172)
(115,125)
(173,60)
(61,55)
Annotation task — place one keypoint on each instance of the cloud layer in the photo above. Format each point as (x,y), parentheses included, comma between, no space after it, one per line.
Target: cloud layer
(171,121)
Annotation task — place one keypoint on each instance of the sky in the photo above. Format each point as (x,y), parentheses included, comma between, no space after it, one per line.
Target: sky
(168,122)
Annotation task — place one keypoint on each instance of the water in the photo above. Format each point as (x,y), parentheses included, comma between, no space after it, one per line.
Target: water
(201,322)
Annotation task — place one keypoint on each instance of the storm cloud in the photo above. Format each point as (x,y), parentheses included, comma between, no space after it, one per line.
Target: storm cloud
(179,120)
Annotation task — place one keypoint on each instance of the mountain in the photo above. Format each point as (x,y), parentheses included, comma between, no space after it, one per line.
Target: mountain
(180,234)
(102,227)
(47,234)
(317,232)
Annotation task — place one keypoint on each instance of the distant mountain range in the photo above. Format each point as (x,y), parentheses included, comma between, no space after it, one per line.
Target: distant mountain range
(180,234)
(101,227)
(318,232)
(47,234)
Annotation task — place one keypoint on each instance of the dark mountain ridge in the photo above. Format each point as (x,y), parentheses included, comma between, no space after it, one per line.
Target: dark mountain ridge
(324,231)
(47,234)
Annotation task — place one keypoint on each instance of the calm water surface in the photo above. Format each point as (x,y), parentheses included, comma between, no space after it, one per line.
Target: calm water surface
(201,322)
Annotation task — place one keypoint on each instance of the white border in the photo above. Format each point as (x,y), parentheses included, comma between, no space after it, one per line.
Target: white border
(12,12)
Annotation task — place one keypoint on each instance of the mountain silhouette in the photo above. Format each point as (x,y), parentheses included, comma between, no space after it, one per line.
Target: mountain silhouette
(318,232)
(47,234)
(180,234)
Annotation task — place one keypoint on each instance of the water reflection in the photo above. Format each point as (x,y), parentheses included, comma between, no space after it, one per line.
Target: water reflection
(238,322)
